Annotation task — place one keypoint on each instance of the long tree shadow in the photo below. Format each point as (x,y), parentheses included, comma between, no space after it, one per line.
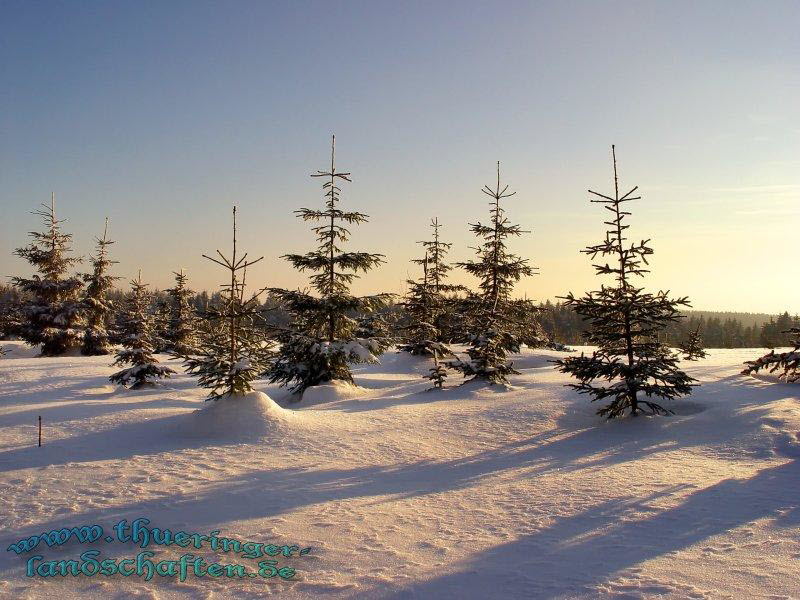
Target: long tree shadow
(88,408)
(580,552)
(579,440)
(265,493)
(115,443)
(268,493)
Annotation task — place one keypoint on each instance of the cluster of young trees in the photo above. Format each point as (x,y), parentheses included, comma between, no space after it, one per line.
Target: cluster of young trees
(301,338)
(63,312)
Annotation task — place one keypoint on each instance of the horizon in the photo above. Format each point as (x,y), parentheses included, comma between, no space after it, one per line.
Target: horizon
(164,117)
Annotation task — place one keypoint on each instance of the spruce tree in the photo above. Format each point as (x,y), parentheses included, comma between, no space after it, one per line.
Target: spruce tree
(447,296)
(376,327)
(423,305)
(137,342)
(427,303)
(160,310)
(692,346)
(11,311)
(630,365)
(436,259)
(788,362)
(493,316)
(98,306)
(419,334)
(181,327)
(232,351)
(53,317)
(321,342)
(438,372)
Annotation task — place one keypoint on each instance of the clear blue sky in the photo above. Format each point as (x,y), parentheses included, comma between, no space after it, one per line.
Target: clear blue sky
(161,115)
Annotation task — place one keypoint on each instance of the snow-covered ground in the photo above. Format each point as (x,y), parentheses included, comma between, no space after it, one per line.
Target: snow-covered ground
(472,492)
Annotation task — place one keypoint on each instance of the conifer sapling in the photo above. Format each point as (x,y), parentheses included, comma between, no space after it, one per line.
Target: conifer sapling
(630,366)
(180,334)
(692,346)
(137,342)
(98,305)
(494,318)
(232,351)
(53,317)
(321,343)
(426,303)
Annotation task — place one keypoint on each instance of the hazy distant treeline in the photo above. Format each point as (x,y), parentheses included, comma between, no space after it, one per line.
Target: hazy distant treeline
(719,329)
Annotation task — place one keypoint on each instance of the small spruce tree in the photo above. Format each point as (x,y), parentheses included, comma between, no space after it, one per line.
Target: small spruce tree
(788,362)
(630,364)
(11,310)
(692,346)
(137,342)
(419,334)
(375,326)
(493,316)
(423,305)
(445,295)
(181,327)
(97,302)
(160,310)
(320,344)
(232,351)
(53,317)
(438,372)
(428,303)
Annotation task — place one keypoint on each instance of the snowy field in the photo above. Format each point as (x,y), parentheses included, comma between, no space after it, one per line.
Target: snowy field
(473,492)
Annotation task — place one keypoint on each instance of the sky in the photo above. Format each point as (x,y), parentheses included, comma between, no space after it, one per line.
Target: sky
(163,115)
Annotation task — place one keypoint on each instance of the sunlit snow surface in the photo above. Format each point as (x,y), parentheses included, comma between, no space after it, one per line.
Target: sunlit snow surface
(470,492)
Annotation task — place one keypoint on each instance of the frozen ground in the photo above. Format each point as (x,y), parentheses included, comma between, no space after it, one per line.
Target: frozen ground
(473,492)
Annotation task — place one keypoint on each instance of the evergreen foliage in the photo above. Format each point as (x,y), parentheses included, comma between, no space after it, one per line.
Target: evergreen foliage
(53,317)
(438,372)
(494,318)
(180,332)
(692,346)
(137,343)
(624,323)
(777,332)
(788,362)
(160,310)
(420,334)
(321,343)
(375,326)
(11,309)
(562,324)
(428,301)
(98,306)
(232,351)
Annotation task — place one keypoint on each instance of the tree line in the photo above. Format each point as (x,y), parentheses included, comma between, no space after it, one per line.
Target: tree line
(559,323)
(719,329)
(306,337)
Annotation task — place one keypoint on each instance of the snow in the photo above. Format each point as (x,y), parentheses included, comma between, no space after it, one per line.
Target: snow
(470,492)
(328,392)
(252,415)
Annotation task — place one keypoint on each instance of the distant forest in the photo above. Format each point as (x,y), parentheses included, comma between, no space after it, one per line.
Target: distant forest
(719,329)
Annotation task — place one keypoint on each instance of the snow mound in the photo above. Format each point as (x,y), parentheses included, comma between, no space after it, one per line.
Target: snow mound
(252,415)
(331,392)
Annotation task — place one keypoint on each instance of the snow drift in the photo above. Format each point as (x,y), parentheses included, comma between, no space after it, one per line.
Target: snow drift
(252,415)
